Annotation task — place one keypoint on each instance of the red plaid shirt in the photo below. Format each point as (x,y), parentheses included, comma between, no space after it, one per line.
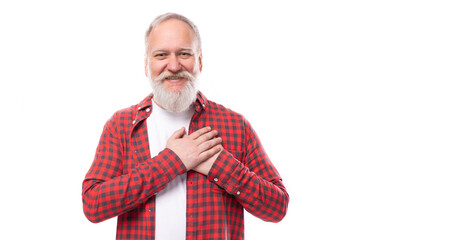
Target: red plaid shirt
(123,178)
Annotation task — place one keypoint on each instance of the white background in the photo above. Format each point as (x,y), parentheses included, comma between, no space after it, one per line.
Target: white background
(361,105)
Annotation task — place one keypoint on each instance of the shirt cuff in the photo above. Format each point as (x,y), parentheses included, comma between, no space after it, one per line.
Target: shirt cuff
(170,163)
(227,173)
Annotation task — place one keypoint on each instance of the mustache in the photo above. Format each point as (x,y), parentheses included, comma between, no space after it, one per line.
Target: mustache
(169,75)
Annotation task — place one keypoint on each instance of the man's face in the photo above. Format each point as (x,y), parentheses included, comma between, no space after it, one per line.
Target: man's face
(172,49)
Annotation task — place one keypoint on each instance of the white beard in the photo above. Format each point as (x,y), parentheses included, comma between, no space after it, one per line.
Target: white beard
(176,101)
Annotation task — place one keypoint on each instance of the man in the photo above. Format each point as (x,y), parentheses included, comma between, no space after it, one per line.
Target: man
(176,165)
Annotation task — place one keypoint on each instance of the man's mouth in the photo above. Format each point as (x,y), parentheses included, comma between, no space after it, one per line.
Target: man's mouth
(174,78)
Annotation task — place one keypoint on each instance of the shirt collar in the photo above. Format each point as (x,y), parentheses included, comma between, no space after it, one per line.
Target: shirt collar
(145,103)
(200,102)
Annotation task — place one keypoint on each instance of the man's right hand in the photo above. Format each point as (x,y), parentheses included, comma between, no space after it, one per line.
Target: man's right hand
(195,148)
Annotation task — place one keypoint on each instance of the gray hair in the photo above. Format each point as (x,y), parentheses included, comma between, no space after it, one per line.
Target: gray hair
(168,16)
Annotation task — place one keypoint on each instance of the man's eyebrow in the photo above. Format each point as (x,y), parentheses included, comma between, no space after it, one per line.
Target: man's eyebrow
(165,50)
(186,49)
(159,50)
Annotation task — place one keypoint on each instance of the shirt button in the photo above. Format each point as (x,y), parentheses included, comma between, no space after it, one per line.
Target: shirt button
(237,193)
(148,109)
(215,179)
(133,122)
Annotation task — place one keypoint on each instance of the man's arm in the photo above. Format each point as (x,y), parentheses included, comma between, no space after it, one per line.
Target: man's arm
(107,192)
(256,185)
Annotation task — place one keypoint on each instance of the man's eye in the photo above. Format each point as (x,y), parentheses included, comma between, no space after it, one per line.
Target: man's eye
(160,55)
(185,54)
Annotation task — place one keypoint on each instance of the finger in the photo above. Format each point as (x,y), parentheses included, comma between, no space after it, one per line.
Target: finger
(209,144)
(178,133)
(209,153)
(206,137)
(200,132)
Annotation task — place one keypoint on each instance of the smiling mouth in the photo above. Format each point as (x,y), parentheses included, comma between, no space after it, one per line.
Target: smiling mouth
(174,78)
(175,81)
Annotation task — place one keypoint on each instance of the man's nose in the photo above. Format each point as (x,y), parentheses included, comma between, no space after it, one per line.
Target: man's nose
(174,65)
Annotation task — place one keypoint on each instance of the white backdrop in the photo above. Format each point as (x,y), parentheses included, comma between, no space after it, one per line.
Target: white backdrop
(361,105)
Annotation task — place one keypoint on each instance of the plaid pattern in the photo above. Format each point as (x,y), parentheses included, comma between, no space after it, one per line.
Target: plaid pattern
(123,178)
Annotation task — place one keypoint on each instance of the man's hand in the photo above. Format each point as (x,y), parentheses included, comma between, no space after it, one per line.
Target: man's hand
(195,148)
(204,167)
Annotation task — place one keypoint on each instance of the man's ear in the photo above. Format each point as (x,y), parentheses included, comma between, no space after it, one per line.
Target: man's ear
(200,62)
(146,66)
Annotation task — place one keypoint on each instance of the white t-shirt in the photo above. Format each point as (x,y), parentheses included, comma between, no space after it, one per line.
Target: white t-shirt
(170,203)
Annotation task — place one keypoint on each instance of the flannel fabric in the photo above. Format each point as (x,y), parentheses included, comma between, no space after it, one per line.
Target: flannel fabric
(123,178)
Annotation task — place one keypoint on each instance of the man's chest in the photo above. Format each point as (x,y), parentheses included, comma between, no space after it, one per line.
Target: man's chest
(137,144)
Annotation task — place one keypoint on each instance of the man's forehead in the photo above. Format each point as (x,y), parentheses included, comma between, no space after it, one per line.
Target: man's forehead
(172,35)
(172,25)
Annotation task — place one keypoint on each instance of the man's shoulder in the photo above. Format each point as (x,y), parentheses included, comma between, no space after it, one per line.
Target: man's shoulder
(128,113)
(222,111)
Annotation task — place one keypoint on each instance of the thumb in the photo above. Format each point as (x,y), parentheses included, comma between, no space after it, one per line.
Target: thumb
(178,133)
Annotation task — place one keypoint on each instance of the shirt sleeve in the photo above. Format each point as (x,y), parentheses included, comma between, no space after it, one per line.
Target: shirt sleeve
(255,183)
(107,192)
